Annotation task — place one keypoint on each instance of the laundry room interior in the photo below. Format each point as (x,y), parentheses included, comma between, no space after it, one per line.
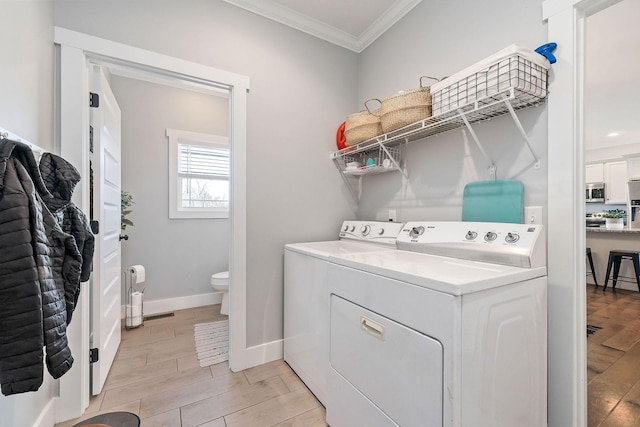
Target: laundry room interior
(397,178)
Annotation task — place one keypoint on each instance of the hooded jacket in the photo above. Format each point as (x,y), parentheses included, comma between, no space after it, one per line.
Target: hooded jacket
(37,259)
(60,178)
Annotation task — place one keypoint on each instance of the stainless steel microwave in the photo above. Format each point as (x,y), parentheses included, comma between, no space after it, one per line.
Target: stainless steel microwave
(595,192)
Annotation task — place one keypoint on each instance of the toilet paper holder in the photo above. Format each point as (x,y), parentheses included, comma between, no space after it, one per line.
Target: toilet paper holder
(134,299)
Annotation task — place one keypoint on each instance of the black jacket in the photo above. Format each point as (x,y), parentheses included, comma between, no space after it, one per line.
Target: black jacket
(61,178)
(37,260)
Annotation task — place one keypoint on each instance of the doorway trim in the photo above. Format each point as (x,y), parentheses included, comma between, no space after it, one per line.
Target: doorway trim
(76,51)
(566,233)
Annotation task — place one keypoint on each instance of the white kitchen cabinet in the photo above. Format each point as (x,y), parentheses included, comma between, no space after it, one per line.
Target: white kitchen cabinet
(633,168)
(615,182)
(594,173)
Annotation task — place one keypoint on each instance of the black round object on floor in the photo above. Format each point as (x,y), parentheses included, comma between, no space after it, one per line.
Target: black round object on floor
(112,419)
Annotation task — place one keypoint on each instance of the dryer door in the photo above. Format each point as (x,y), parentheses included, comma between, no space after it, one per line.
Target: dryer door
(397,368)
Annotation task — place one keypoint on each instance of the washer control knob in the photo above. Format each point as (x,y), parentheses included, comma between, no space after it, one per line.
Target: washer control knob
(471,235)
(416,231)
(381,231)
(353,228)
(346,227)
(512,237)
(490,236)
(365,230)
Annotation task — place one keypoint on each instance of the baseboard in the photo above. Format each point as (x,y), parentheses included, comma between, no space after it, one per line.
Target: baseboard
(181,303)
(264,353)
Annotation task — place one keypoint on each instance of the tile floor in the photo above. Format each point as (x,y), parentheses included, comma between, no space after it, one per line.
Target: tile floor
(157,376)
(613,358)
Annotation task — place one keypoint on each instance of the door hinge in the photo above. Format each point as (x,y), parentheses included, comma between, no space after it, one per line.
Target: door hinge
(93,355)
(91,139)
(94,100)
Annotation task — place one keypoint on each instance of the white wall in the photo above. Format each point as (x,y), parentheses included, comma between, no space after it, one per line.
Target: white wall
(438,39)
(301,90)
(179,254)
(26,109)
(26,74)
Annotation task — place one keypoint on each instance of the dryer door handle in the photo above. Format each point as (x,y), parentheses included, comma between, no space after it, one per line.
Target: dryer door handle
(372,327)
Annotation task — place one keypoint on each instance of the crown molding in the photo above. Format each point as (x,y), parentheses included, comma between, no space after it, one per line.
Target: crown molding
(321,30)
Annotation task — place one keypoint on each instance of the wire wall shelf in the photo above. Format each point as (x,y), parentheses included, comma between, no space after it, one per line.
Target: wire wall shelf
(498,104)
(480,110)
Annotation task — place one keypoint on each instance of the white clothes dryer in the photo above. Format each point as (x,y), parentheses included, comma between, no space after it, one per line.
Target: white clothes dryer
(306,299)
(449,330)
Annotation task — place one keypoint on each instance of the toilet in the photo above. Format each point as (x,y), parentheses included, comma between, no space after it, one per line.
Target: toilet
(220,283)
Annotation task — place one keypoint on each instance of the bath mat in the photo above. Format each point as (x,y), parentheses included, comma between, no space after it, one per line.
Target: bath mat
(212,342)
(123,419)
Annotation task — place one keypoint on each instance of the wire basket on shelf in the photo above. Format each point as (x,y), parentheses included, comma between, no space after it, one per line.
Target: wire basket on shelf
(515,68)
(373,161)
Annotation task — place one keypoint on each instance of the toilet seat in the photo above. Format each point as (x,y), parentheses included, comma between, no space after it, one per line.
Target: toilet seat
(220,279)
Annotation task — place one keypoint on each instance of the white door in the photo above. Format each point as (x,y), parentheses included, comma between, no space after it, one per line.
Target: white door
(106,287)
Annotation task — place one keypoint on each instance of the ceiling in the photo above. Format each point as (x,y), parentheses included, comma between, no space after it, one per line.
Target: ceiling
(352,24)
(612,77)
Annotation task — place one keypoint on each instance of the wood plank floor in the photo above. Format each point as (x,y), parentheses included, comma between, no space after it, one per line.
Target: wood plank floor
(613,358)
(156,375)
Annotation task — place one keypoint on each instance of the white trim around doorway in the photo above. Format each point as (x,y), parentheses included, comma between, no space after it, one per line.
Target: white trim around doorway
(566,234)
(76,51)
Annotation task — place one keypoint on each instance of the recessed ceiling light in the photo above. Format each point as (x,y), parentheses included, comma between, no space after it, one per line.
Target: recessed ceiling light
(614,134)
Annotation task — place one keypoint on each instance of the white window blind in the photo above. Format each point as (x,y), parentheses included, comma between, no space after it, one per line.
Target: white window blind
(199,167)
(203,162)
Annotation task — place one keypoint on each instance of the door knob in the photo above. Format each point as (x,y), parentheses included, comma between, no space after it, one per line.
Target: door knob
(124,237)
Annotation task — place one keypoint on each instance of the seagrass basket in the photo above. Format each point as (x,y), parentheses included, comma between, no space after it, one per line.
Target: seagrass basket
(362,126)
(406,107)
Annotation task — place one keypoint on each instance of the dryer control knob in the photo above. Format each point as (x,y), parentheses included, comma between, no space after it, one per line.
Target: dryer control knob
(353,228)
(471,235)
(490,236)
(365,230)
(346,227)
(416,231)
(381,232)
(512,238)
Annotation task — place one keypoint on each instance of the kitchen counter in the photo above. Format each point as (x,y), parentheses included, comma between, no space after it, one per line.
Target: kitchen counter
(601,241)
(603,229)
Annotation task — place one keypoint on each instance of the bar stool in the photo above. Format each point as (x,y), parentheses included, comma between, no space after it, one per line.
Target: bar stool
(593,270)
(615,258)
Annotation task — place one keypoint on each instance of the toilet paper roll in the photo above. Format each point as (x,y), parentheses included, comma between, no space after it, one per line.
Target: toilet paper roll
(133,311)
(134,321)
(138,273)
(136,299)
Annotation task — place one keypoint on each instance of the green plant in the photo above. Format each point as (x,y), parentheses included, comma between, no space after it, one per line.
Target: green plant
(615,213)
(126,200)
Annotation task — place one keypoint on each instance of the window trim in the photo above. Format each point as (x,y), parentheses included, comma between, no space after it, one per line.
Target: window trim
(177,137)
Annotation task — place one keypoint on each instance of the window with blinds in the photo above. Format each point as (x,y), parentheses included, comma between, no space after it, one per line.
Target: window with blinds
(204,176)
(198,175)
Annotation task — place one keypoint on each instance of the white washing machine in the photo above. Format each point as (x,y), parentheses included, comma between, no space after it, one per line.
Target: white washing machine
(306,299)
(449,330)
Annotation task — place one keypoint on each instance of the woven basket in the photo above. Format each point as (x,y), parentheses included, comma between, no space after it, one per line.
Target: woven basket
(405,107)
(362,126)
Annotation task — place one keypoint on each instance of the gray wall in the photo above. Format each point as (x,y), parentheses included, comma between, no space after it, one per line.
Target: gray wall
(301,90)
(179,254)
(439,38)
(26,109)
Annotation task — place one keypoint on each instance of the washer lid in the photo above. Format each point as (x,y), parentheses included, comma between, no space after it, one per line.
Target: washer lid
(335,248)
(444,274)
